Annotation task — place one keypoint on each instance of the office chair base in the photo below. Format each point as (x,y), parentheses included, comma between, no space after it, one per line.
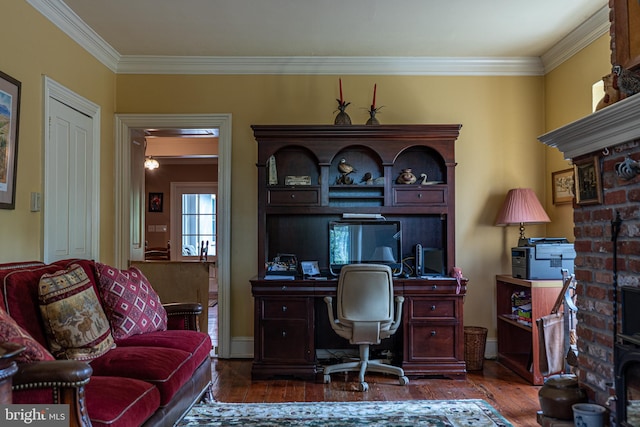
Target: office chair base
(362,367)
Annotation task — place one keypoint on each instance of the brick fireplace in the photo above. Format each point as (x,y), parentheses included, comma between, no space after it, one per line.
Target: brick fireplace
(611,135)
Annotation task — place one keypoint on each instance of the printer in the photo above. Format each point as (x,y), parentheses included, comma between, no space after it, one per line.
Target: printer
(542,258)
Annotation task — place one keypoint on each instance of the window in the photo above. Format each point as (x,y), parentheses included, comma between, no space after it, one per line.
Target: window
(194,219)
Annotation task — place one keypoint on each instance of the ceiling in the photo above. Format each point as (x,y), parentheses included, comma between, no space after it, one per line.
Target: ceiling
(458,28)
(329,28)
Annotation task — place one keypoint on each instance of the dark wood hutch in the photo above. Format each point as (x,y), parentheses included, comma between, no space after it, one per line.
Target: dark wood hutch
(290,317)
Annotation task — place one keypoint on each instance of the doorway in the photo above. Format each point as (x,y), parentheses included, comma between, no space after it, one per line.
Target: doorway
(127,222)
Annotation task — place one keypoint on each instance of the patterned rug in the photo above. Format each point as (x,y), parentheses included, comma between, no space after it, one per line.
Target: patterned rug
(412,413)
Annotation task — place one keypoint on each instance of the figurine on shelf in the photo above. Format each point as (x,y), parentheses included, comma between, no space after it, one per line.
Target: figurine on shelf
(367,178)
(342,118)
(406,177)
(345,169)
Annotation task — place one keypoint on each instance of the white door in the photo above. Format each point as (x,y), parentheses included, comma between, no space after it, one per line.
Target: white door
(69,218)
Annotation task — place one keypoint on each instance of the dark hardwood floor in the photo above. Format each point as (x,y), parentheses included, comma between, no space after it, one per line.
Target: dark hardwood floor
(508,393)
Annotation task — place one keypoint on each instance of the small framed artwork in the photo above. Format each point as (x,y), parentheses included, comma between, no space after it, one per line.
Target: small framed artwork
(155,202)
(588,184)
(9,122)
(310,268)
(563,186)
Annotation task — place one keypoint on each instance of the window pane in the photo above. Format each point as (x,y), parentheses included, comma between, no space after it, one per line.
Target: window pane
(198,223)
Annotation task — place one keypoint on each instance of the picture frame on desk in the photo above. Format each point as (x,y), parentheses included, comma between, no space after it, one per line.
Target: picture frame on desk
(588,182)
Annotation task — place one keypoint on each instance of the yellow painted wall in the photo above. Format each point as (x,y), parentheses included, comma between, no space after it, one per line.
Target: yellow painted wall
(32,48)
(568,97)
(497,150)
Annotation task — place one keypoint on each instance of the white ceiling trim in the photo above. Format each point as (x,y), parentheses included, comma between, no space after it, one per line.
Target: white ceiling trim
(67,20)
(594,27)
(329,65)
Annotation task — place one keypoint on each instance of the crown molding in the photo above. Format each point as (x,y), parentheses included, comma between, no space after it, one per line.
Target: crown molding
(585,34)
(330,65)
(71,24)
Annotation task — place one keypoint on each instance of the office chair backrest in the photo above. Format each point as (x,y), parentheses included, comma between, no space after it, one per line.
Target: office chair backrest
(365,294)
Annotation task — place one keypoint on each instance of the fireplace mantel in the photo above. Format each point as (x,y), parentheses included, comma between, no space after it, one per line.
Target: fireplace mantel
(613,125)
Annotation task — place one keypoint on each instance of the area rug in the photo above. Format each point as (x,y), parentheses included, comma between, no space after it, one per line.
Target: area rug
(411,413)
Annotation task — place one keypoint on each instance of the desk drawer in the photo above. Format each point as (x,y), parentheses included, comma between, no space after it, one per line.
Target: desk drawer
(289,308)
(285,341)
(430,308)
(421,196)
(293,197)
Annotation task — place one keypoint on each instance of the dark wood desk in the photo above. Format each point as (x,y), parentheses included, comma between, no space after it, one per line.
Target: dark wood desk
(289,315)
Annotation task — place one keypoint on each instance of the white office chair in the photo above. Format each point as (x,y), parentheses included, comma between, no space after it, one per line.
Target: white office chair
(365,308)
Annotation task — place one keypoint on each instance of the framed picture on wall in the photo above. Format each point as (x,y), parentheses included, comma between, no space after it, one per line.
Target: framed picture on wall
(9,122)
(155,202)
(563,186)
(588,184)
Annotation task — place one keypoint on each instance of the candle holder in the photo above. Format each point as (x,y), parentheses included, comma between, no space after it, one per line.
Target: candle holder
(342,118)
(372,116)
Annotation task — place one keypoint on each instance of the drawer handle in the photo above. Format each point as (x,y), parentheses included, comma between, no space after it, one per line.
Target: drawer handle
(293,196)
(284,288)
(284,334)
(284,308)
(433,333)
(434,287)
(433,308)
(419,195)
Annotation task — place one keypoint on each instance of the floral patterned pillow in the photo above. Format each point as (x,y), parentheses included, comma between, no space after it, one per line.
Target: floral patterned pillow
(75,323)
(12,332)
(132,306)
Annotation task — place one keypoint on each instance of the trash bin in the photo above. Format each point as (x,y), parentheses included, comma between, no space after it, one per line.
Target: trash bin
(475,339)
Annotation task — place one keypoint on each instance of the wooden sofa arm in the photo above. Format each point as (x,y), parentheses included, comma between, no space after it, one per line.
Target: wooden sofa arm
(66,378)
(183,315)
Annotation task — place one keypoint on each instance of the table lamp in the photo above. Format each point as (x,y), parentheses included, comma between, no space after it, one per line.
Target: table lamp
(521,206)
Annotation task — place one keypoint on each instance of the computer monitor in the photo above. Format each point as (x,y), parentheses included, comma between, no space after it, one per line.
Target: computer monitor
(366,241)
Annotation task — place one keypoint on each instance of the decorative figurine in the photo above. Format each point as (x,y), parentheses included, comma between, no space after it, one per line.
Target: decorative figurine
(345,169)
(342,118)
(424,179)
(406,177)
(627,81)
(611,93)
(367,178)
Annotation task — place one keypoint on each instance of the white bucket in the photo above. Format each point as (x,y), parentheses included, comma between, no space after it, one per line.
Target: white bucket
(588,415)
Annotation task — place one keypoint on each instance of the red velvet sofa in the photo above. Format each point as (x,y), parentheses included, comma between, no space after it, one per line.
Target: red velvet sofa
(145,378)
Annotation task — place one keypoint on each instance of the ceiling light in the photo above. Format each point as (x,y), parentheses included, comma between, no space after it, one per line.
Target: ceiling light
(151,163)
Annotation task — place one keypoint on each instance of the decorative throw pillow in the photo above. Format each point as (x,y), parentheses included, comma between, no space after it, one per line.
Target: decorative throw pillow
(130,303)
(11,331)
(74,321)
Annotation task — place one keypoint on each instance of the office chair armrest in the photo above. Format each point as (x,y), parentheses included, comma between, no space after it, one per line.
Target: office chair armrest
(329,302)
(398,315)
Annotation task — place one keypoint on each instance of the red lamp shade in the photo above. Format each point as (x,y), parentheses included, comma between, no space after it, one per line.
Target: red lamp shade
(521,206)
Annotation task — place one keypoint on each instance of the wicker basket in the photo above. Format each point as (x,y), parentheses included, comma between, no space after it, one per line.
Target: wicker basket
(475,339)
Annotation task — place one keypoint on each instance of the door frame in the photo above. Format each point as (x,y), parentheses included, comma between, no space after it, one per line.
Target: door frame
(124,123)
(55,91)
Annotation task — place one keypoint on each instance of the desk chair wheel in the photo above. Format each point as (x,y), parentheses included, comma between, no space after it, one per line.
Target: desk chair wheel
(403,380)
(363,386)
(327,379)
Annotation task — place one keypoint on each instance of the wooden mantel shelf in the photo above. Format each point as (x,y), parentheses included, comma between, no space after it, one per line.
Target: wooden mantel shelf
(613,125)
